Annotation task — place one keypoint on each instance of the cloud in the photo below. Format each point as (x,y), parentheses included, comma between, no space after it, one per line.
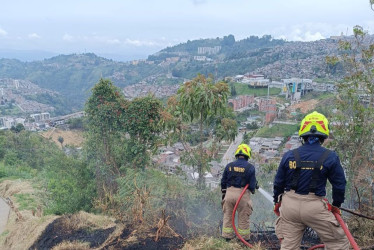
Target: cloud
(3,32)
(308,36)
(68,38)
(104,40)
(308,31)
(113,41)
(34,36)
(139,43)
(305,36)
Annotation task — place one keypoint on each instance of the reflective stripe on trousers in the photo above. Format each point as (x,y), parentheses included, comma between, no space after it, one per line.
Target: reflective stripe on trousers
(244,210)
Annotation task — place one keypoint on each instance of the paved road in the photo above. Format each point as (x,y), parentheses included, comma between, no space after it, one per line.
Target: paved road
(4,213)
(229,155)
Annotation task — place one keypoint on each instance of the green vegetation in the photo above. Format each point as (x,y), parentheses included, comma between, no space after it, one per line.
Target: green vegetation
(26,201)
(10,109)
(61,105)
(283,130)
(76,123)
(354,122)
(320,96)
(244,89)
(67,180)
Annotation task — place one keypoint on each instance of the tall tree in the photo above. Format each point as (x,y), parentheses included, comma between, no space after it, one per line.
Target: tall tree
(106,112)
(121,134)
(201,102)
(144,124)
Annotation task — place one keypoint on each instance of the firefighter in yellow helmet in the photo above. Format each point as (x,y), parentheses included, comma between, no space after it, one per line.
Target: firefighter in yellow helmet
(236,175)
(300,189)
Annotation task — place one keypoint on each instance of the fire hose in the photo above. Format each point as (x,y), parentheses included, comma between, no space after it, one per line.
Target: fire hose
(337,216)
(233,218)
(346,231)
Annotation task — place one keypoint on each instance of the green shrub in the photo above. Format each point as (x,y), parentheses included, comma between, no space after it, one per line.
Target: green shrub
(282,130)
(11,158)
(70,186)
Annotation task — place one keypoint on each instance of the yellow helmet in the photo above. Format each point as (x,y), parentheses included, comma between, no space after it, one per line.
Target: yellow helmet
(314,124)
(243,149)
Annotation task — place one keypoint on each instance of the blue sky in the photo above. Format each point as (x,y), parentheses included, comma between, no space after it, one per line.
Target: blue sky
(137,28)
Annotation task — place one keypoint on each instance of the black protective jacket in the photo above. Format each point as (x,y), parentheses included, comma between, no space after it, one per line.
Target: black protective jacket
(238,174)
(331,170)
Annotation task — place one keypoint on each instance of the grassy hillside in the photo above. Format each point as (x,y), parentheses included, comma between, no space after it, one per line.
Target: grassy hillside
(283,130)
(244,89)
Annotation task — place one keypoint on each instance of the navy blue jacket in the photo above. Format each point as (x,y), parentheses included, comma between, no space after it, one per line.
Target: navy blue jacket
(332,170)
(238,174)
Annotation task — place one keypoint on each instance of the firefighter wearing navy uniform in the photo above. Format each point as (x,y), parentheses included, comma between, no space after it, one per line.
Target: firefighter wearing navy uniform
(236,175)
(300,189)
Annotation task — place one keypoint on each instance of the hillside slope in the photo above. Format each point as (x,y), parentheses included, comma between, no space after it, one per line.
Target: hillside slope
(74,75)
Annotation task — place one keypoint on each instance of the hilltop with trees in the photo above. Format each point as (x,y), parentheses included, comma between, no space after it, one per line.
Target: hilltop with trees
(72,76)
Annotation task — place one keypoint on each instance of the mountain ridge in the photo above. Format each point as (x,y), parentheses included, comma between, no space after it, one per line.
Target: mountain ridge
(74,75)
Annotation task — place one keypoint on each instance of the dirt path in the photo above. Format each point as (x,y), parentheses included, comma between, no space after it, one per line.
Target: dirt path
(4,213)
(229,155)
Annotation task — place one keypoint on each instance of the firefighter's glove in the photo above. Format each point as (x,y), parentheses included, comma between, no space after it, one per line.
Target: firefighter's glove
(257,186)
(223,193)
(276,208)
(336,210)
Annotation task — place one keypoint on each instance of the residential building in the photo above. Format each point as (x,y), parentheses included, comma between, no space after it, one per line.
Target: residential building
(241,101)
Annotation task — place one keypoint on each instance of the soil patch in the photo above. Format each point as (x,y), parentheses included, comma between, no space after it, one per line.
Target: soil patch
(304,106)
(55,233)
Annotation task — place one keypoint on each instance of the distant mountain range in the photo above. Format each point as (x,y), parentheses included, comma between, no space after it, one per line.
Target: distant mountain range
(74,75)
(26,55)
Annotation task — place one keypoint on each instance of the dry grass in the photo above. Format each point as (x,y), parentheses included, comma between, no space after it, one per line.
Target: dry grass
(363,231)
(71,137)
(210,243)
(304,106)
(10,187)
(84,220)
(76,245)
(21,233)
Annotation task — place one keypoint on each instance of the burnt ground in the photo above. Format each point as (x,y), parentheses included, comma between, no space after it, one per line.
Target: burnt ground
(56,233)
(144,240)
(133,238)
(269,240)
